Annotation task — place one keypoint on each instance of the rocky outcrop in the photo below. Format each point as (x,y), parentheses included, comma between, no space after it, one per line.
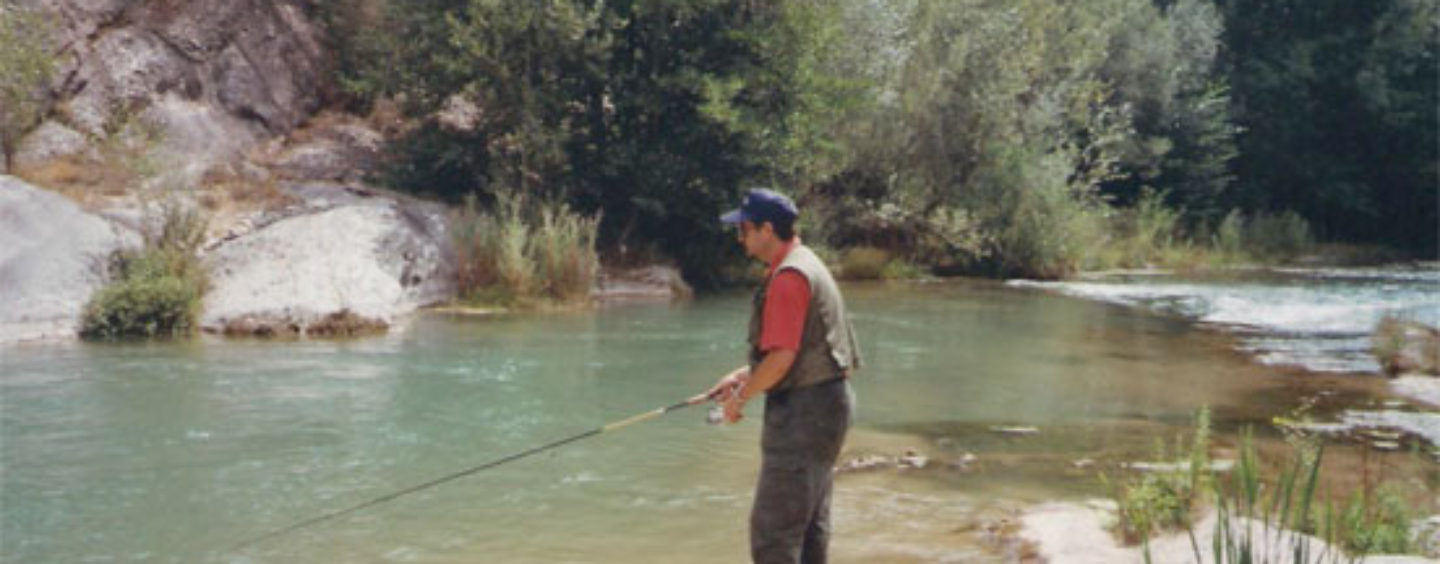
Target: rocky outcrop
(218,76)
(654,282)
(366,258)
(51,260)
(331,147)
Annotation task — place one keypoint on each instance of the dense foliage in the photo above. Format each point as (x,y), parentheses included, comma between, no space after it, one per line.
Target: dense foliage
(1337,104)
(1017,137)
(156,290)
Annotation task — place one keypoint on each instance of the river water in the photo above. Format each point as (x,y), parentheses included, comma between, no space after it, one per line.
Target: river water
(177,452)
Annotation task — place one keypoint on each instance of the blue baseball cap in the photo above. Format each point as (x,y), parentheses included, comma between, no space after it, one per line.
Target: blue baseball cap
(762,205)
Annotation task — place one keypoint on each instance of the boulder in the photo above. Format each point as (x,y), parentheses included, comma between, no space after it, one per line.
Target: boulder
(49,141)
(370,261)
(51,260)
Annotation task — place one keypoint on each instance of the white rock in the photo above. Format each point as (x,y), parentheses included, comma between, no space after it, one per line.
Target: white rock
(51,257)
(374,260)
(1071,533)
(912,459)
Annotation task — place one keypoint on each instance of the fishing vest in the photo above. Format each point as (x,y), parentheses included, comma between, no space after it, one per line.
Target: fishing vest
(828,349)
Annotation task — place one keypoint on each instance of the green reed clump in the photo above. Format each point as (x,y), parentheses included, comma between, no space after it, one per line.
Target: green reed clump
(517,252)
(157,290)
(1143,235)
(1265,237)
(1166,500)
(1287,522)
(1375,522)
(564,253)
(1260,520)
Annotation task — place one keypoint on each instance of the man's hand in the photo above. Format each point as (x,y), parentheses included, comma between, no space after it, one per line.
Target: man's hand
(727,393)
(734,405)
(729,385)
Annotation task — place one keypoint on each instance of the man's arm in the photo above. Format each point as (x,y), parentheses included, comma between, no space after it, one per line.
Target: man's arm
(767,374)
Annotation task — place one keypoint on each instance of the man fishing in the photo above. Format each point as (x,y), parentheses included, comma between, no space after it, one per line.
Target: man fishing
(802,350)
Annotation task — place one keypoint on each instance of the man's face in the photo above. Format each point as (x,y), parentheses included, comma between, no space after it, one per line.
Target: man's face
(755,238)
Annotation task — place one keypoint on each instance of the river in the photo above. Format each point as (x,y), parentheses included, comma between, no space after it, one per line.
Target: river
(176,452)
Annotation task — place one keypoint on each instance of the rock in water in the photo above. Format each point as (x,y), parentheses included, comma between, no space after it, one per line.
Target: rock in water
(374,261)
(51,260)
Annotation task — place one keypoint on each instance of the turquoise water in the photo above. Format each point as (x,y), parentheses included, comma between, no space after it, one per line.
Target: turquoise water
(177,452)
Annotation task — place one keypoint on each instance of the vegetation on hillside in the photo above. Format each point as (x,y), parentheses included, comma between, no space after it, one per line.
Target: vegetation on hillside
(1026,138)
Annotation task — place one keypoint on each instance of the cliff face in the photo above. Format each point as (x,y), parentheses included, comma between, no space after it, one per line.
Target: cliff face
(228,84)
(219,76)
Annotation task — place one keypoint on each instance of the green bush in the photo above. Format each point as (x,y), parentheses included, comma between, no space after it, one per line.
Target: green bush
(516,251)
(1144,235)
(864,263)
(1229,237)
(155,291)
(1376,522)
(1279,236)
(1165,500)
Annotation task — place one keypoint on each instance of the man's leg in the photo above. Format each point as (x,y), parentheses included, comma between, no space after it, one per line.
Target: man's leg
(815,550)
(780,517)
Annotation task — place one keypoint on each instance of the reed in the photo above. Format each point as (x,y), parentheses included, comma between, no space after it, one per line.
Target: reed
(1280,519)
(517,252)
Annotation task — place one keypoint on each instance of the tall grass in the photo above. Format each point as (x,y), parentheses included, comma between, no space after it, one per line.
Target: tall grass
(1143,236)
(1263,237)
(157,290)
(564,253)
(1263,520)
(517,252)
(1150,234)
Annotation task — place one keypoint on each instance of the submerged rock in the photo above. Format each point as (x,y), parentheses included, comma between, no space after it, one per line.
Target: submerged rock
(1407,347)
(912,459)
(52,257)
(865,463)
(1019,431)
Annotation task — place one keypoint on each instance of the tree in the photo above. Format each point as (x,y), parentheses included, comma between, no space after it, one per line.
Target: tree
(1337,104)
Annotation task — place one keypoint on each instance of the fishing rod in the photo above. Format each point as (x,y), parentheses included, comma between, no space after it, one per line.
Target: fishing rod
(701,398)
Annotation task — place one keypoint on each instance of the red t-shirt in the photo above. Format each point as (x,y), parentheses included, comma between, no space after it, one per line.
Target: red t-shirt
(786,302)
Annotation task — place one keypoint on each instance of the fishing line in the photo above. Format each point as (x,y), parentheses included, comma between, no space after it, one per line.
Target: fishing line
(468,471)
